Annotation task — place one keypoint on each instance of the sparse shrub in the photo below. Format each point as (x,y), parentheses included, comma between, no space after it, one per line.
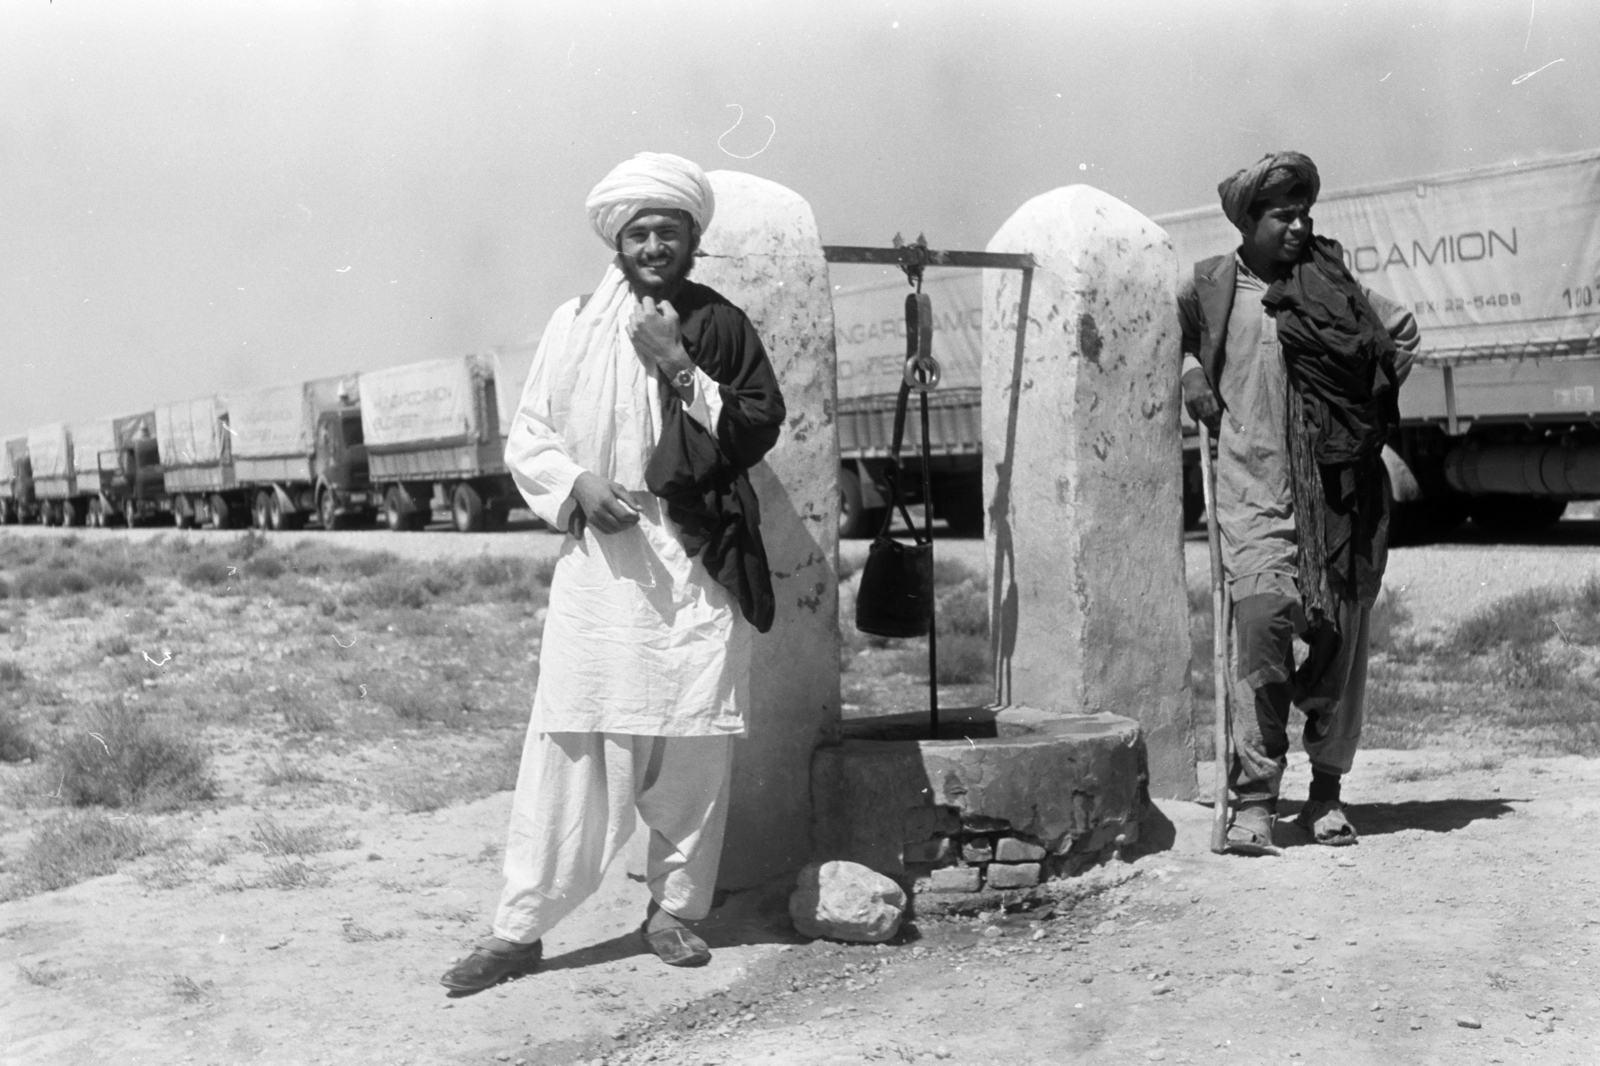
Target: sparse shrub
(1396,717)
(1387,623)
(964,659)
(1522,619)
(393,590)
(964,611)
(122,759)
(41,975)
(292,874)
(357,934)
(1587,598)
(1526,666)
(274,838)
(187,988)
(114,646)
(544,571)
(15,744)
(283,772)
(948,573)
(510,578)
(11,675)
(208,573)
(266,566)
(77,845)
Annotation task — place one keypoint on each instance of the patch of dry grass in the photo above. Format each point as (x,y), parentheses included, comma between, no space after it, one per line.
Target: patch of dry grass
(77,845)
(123,758)
(274,838)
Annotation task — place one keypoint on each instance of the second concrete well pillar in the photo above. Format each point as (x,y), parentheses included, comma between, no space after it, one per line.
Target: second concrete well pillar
(1081,470)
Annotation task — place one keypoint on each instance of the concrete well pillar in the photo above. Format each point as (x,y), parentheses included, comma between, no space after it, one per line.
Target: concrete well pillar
(1081,470)
(762,252)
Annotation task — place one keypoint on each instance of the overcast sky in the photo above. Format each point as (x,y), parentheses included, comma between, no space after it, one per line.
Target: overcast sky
(197,197)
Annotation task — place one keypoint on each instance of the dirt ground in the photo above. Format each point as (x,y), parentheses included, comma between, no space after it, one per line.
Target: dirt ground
(1472,898)
(1461,930)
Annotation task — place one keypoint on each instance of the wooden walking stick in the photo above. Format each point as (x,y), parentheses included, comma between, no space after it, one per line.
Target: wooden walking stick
(1222,624)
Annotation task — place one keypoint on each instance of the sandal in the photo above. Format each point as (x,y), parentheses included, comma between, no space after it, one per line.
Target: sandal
(675,945)
(1326,823)
(1250,831)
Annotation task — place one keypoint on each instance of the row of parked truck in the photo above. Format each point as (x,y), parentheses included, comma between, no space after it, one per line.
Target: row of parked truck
(395,445)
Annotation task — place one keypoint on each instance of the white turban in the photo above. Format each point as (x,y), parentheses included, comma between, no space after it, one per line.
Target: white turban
(649,180)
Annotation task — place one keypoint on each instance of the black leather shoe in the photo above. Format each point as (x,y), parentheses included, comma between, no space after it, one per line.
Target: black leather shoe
(487,967)
(675,946)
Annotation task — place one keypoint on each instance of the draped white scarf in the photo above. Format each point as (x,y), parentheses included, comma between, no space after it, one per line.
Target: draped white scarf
(602,401)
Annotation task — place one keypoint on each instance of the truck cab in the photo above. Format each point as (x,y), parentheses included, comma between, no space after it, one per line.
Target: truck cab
(134,480)
(344,482)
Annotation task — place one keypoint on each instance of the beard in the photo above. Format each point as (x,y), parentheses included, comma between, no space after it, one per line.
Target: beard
(643,287)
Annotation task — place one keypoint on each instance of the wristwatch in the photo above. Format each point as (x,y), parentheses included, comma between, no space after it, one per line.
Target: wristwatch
(684,378)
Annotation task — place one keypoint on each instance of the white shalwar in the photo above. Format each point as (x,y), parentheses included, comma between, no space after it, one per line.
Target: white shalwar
(645,660)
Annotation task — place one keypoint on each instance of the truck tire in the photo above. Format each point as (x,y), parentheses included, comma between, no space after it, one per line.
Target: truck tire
(1511,516)
(261,510)
(328,512)
(466,509)
(394,512)
(130,513)
(221,517)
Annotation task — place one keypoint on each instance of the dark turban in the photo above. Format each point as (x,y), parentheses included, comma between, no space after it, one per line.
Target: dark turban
(1274,173)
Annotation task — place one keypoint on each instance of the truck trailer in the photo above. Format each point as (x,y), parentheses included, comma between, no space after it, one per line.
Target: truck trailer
(870,339)
(54,483)
(1499,419)
(194,446)
(433,440)
(92,440)
(298,453)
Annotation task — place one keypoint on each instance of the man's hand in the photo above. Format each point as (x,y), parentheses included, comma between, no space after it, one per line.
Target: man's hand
(1201,401)
(654,332)
(605,503)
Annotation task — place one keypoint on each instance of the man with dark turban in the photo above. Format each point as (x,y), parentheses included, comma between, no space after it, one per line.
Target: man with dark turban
(1295,368)
(646,403)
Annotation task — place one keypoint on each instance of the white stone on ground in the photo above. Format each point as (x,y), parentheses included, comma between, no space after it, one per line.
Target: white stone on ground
(846,901)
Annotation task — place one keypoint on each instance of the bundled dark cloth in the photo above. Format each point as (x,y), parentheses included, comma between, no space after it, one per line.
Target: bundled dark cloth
(702,475)
(1343,402)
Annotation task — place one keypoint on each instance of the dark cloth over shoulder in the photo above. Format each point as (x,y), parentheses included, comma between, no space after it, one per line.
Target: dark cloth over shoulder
(702,476)
(1344,402)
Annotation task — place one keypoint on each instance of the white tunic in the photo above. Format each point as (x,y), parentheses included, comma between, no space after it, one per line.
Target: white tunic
(639,638)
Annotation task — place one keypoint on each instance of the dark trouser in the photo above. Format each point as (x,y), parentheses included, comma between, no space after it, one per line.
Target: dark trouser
(1329,688)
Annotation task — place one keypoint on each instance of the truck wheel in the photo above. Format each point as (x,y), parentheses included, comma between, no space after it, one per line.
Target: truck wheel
(328,511)
(260,510)
(130,513)
(1506,515)
(466,509)
(221,518)
(394,512)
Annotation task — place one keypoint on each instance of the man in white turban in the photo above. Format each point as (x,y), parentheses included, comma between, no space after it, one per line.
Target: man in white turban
(646,403)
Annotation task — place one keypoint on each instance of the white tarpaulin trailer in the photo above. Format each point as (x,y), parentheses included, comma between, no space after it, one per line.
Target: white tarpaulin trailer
(50,449)
(192,436)
(94,448)
(274,429)
(436,402)
(869,325)
(511,367)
